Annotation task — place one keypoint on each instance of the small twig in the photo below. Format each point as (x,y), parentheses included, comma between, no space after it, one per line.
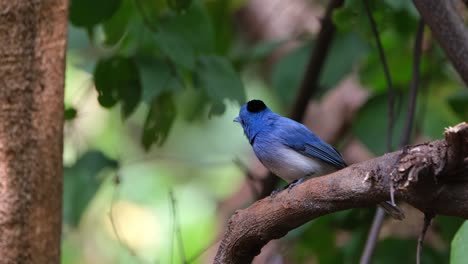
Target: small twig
(427,222)
(380,214)
(373,236)
(122,242)
(309,85)
(406,136)
(391,92)
(146,20)
(176,228)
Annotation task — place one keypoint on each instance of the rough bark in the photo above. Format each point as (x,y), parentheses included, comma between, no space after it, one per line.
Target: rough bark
(432,177)
(32,65)
(449,30)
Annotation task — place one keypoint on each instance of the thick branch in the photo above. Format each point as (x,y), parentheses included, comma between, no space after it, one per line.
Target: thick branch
(449,30)
(423,176)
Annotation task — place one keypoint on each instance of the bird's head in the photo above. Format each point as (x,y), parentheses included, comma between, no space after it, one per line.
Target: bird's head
(253,117)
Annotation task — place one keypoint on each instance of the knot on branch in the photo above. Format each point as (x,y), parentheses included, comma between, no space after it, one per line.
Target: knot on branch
(432,160)
(457,141)
(413,162)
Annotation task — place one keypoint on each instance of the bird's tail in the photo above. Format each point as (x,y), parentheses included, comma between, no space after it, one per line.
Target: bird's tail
(393,210)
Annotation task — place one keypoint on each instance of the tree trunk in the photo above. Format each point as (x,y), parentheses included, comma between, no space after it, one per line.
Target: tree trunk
(32,65)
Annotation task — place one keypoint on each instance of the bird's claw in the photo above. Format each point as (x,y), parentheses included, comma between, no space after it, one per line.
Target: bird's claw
(294,183)
(289,186)
(276,191)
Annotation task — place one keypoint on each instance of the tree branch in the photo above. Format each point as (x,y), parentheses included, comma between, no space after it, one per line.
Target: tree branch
(423,176)
(317,60)
(449,30)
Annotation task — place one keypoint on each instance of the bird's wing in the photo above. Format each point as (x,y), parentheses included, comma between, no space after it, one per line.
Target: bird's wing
(301,139)
(324,152)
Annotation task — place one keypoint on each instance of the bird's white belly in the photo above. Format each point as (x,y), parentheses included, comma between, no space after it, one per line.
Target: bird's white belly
(291,165)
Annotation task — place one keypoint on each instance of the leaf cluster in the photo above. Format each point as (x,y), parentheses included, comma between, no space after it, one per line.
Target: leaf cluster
(156,50)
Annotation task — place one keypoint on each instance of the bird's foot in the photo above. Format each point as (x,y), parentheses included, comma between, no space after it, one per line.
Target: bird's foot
(289,186)
(294,183)
(276,191)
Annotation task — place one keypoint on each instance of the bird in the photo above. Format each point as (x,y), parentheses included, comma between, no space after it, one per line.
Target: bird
(290,150)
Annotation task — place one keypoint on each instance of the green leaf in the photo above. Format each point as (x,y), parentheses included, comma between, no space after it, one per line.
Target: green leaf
(448,226)
(193,105)
(288,72)
(216,109)
(370,125)
(159,120)
(403,5)
(437,117)
(391,250)
(352,219)
(346,51)
(70,113)
(157,76)
(324,249)
(244,56)
(88,13)
(176,47)
(264,49)
(117,79)
(400,63)
(116,27)
(224,28)
(352,249)
(350,16)
(130,96)
(81,182)
(181,36)
(459,252)
(216,76)
(459,103)
(179,5)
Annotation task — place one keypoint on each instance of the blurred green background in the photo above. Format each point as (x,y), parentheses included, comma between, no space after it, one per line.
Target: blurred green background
(152,87)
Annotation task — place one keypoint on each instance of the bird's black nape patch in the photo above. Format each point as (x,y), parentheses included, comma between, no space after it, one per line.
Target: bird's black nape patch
(256,106)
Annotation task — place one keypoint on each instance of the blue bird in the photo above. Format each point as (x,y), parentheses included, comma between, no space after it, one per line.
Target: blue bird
(290,150)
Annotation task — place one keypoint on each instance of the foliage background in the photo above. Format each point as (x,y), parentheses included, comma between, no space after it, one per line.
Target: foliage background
(151,91)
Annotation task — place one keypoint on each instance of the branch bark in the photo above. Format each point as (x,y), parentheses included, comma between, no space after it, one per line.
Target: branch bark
(427,176)
(449,30)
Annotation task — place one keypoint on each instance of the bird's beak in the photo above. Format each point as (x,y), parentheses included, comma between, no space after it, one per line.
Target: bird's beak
(237,119)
